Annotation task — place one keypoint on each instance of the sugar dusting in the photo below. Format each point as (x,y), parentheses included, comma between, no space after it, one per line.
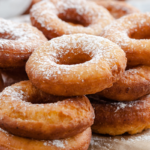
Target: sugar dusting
(111,142)
(46,13)
(47,57)
(17,95)
(62,143)
(121,28)
(140,104)
(58,143)
(16,35)
(14,98)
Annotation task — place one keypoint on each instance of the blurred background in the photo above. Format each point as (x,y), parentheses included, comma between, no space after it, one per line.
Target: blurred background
(13,8)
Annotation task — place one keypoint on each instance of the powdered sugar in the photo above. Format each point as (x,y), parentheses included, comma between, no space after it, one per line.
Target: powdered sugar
(139,105)
(46,13)
(15,103)
(14,35)
(63,143)
(57,143)
(48,57)
(120,31)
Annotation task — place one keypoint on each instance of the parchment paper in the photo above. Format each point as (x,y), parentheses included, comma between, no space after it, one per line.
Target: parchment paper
(125,142)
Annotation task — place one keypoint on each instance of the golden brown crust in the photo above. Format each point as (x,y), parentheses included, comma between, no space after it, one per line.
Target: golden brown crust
(51,120)
(131,33)
(78,142)
(77,64)
(116,118)
(51,17)
(117,9)
(17,43)
(133,84)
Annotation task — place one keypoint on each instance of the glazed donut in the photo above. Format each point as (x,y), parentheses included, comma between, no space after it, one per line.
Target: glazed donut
(135,83)
(77,64)
(116,118)
(42,120)
(116,8)
(51,17)
(17,42)
(78,142)
(131,33)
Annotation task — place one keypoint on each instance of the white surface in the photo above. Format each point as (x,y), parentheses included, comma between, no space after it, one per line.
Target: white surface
(11,8)
(142,5)
(21,19)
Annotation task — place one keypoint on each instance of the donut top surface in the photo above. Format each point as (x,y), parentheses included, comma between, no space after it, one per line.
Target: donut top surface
(131,33)
(121,106)
(28,112)
(78,61)
(132,27)
(23,98)
(63,54)
(21,38)
(54,16)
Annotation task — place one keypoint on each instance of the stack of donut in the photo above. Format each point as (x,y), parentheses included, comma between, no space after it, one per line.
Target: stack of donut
(50,110)
(29,109)
(125,106)
(17,42)
(29,118)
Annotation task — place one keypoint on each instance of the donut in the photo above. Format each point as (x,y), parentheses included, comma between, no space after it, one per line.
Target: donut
(76,64)
(13,75)
(116,118)
(17,42)
(51,17)
(27,112)
(117,8)
(78,142)
(131,33)
(133,84)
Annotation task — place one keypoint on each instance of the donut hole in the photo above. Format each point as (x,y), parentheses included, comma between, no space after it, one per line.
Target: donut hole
(35,96)
(140,33)
(43,98)
(73,18)
(73,59)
